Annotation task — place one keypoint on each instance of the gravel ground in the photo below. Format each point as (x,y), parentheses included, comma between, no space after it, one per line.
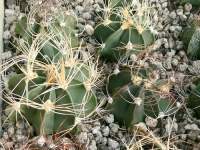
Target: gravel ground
(104,133)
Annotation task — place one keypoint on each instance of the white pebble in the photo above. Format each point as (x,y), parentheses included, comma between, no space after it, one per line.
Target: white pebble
(89,29)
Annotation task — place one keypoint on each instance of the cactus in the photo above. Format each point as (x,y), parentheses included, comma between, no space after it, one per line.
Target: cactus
(124,27)
(193,2)
(135,95)
(54,89)
(191,39)
(193,101)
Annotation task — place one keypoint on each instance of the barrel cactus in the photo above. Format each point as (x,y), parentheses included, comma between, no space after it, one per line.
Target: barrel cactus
(54,89)
(191,39)
(134,94)
(125,28)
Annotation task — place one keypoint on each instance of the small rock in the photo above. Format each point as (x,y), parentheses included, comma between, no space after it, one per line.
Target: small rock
(183,17)
(104,141)
(193,135)
(173,15)
(167,64)
(5,135)
(68,144)
(151,122)
(183,67)
(92,145)
(96,129)
(105,131)
(82,137)
(41,141)
(182,54)
(183,136)
(112,143)
(188,7)
(7,35)
(109,118)
(179,45)
(165,4)
(11,131)
(89,29)
(179,11)
(174,62)
(114,127)
(191,127)
(20,138)
(87,15)
(79,9)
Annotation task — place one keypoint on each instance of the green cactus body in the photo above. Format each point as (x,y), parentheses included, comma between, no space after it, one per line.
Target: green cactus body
(122,31)
(193,2)
(53,88)
(133,100)
(194,100)
(191,39)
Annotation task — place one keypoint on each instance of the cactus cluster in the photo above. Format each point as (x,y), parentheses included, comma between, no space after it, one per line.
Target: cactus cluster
(135,94)
(191,39)
(54,87)
(125,28)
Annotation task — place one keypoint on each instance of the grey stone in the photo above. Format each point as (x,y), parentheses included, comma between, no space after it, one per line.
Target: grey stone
(82,137)
(87,15)
(182,54)
(192,127)
(114,127)
(11,131)
(179,45)
(41,141)
(5,135)
(151,122)
(109,118)
(188,7)
(165,4)
(20,138)
(96,129)
(183,67)
(173,15)
(179,11)
(171,43)
(104,141)
(6,35)
(174,62)
(183,136)
(105,130)
(183,17)
(92,145)
(79,9)
(89,29)
(112,143)
(167,64)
